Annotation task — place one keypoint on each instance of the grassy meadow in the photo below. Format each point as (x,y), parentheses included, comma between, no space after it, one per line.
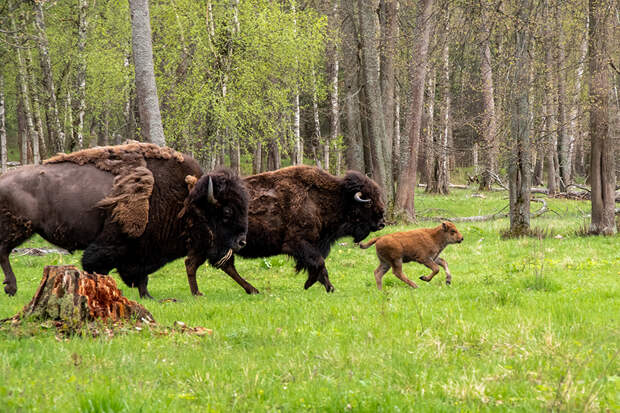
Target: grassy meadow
(528,325)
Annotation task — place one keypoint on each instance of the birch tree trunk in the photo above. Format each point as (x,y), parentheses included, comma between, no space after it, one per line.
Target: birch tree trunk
(405,196)
(57,135)
(25,96)
(298,150)
(576,113)
(146,88)
(602,168)
(550,112)
(428,131)
(519,170)
(564,160)
(442,171)
(369,31)
(81,72)
(489,119)
(3,150)
(36,108)
(317,122)
(69,121)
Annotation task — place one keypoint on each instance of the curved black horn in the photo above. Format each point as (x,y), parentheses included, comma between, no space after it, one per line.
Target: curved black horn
(210,196)
(358,198)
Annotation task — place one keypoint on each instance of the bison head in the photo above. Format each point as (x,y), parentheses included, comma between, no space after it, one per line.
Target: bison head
(363,206)
(218,202)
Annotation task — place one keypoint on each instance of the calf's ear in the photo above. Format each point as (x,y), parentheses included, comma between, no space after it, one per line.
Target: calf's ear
(444,226)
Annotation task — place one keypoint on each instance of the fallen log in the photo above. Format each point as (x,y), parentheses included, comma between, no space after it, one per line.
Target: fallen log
(491,217)
(74,297)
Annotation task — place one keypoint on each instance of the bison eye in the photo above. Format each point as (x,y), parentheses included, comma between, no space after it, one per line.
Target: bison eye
(227,212)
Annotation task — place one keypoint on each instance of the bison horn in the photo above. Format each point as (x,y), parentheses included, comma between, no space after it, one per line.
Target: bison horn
(210,196)
(358,198)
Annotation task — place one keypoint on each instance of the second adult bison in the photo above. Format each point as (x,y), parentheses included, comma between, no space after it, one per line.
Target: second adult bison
(132,207)
(301,211)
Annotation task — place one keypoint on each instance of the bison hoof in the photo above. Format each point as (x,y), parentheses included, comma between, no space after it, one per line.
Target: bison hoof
(10,289)
(252,291)
(330,289)
(197,293)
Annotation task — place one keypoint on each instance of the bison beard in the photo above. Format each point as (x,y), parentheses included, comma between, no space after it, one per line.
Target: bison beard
(301,211)
(77,203)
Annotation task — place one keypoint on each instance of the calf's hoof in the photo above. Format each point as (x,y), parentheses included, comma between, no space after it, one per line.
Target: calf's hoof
(424,278)
(10,289)
(448,282)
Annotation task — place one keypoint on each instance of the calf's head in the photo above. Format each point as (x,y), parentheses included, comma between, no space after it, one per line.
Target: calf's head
(363,205)
(451,235)
(219,202)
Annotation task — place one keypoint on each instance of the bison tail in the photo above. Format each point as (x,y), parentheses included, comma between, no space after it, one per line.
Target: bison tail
(369,243)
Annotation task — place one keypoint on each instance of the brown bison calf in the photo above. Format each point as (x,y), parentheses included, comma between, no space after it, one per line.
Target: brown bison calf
(420,245)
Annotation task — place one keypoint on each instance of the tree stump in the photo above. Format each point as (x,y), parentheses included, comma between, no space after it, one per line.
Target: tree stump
(74,297)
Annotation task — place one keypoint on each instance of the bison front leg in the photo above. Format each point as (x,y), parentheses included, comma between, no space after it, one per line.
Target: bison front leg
(10,282)
(229,268)
(142,288)
(192,263)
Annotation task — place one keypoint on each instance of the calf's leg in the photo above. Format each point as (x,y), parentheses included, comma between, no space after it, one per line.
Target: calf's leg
(433,266)
(397,269)
(444,264)
(381,270)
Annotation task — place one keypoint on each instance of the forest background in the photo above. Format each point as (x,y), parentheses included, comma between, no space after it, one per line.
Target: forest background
(513,93)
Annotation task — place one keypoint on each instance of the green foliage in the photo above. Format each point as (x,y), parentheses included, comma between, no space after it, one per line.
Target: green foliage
(527,325)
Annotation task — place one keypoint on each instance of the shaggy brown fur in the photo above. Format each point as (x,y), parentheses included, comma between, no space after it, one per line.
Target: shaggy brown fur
(59,202)
(420,245)
(133,185)
(301,211)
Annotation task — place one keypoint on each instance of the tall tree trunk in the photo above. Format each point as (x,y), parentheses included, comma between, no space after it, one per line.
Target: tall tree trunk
(551,126)
(369,31)
(576,114)
(354,152)
(602,168)
(405,196)
(81,72)
(146,89)
(389,30)
(564,164)
(3,150)
(58,136)
(428,131)
(316,141)
(298,150)
(25,97)
(489,120)
(129,104)
(396,143)
(69,121)
(36,108)
(257,161)
(442,170)
(519,170)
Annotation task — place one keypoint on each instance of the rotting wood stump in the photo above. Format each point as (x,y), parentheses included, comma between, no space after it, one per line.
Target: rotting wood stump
(75,297)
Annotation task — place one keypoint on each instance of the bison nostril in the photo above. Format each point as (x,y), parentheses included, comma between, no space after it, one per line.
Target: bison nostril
(242,243)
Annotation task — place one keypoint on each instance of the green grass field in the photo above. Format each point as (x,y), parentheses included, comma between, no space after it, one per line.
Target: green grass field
(527,325)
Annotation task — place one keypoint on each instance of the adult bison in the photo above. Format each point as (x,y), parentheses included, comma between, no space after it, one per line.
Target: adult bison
(131,207)
(301,211)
